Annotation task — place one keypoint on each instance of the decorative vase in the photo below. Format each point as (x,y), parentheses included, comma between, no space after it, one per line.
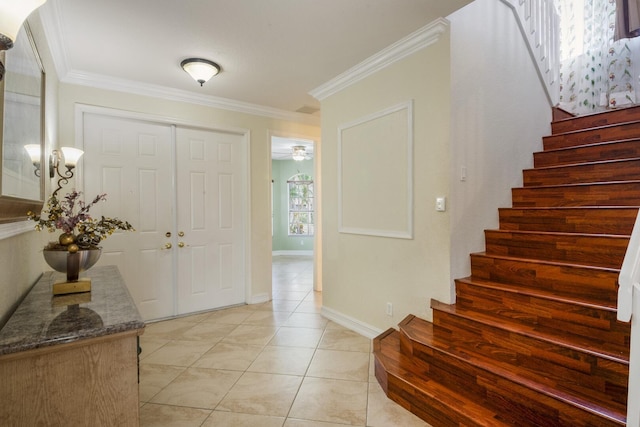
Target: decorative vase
(72,263)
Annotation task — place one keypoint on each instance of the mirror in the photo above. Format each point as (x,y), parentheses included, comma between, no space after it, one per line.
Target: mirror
(22,124)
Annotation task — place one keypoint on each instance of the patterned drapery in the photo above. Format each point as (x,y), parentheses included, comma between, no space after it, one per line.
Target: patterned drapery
(595,72)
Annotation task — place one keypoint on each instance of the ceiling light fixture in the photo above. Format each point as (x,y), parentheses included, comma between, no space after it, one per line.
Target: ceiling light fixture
(298,153)
(12,14)
(200,69)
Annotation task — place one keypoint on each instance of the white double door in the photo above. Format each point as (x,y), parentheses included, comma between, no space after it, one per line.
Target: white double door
(183,191)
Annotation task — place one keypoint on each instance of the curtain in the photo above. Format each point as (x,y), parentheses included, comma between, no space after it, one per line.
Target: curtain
(595,71)
(627,19)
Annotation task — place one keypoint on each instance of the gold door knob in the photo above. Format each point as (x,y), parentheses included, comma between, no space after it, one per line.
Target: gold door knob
(181,233)
(167,234)
(181,244)
(167,246)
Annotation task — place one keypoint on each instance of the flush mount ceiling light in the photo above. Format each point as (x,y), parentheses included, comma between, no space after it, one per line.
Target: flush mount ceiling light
(12,15)
(298,153)
(200,69)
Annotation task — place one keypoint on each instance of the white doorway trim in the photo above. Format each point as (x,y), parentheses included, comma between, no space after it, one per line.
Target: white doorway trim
(82,109)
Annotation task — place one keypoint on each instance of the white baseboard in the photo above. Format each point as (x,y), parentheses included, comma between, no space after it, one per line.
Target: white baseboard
(351,323)
(295,253)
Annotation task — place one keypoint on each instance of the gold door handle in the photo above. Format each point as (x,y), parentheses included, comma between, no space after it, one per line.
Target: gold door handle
(166,246)
(181,245)
(181,233)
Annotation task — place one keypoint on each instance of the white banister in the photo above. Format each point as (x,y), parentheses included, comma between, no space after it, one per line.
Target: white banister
(539,24)
(629,310)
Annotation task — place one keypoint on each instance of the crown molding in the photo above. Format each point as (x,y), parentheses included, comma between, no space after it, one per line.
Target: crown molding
(51,22)
(407,46)
(145,89)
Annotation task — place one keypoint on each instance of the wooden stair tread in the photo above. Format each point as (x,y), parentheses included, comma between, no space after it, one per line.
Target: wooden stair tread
(578,164)
(613,220)
(594,135)
(548,262)
(596,249)
(387,352)
(537,293)
(584,172)
(607,150)
(426,334)
(564,121)
(604,350)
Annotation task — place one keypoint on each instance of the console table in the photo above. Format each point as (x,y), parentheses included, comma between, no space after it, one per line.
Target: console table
(72,360)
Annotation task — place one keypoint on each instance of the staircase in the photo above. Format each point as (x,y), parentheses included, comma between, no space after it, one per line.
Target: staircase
(533,338)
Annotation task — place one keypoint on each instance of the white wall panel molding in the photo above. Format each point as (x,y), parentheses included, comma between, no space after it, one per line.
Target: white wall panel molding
(375,153)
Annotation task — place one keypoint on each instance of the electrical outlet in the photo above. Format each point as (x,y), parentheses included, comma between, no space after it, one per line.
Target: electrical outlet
(441,204)
(389,309)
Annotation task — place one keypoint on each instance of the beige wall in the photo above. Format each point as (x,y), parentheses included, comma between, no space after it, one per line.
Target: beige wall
(361,273)
(21,261)
(197,115)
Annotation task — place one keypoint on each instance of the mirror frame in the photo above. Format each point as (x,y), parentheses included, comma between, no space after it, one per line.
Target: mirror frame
(14,209)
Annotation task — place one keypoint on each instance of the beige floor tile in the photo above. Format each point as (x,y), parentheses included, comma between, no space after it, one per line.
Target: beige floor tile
(306,320)
(232,419)
(167,329)
(149,344)
(309,307)
(229,356)
(291,422)
(262,394)
(232,316)
(296,337)
(198,388)
(284,305)
(152,415)
(251,334)
(334,401)
(340,365)
(383,412)
(208,331)
(267,318)
(343,339)
(290,295)
(154,378)
(178,353)
(283,360)
(195,318)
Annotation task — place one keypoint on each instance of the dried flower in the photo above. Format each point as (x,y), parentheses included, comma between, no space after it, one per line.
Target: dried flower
(71,216)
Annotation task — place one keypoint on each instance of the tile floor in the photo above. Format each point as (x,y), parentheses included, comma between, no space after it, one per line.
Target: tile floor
(277,364)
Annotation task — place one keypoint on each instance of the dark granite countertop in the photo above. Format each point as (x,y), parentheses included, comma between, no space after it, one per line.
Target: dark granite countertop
(43,320)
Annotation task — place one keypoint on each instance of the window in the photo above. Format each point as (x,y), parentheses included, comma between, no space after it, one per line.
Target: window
(300,205)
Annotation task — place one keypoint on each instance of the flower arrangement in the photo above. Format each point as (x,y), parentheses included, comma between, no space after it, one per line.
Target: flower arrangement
(71,216)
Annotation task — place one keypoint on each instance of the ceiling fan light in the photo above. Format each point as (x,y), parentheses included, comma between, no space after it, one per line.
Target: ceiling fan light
(200,69)
(298,153)
(12,15)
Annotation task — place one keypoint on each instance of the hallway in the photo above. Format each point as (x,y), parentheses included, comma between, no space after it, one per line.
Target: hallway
(277,364)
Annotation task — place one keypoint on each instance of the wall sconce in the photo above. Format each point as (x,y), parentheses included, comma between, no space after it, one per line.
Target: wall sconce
(12,14)
(200,69)
(33,150)
(298,153)
(71,156)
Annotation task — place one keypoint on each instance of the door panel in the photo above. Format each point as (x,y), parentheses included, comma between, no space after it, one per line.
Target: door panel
(210,213)
(130,160)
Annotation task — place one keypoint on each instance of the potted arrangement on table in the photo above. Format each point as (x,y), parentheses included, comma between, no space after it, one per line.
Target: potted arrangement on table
(77,248)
